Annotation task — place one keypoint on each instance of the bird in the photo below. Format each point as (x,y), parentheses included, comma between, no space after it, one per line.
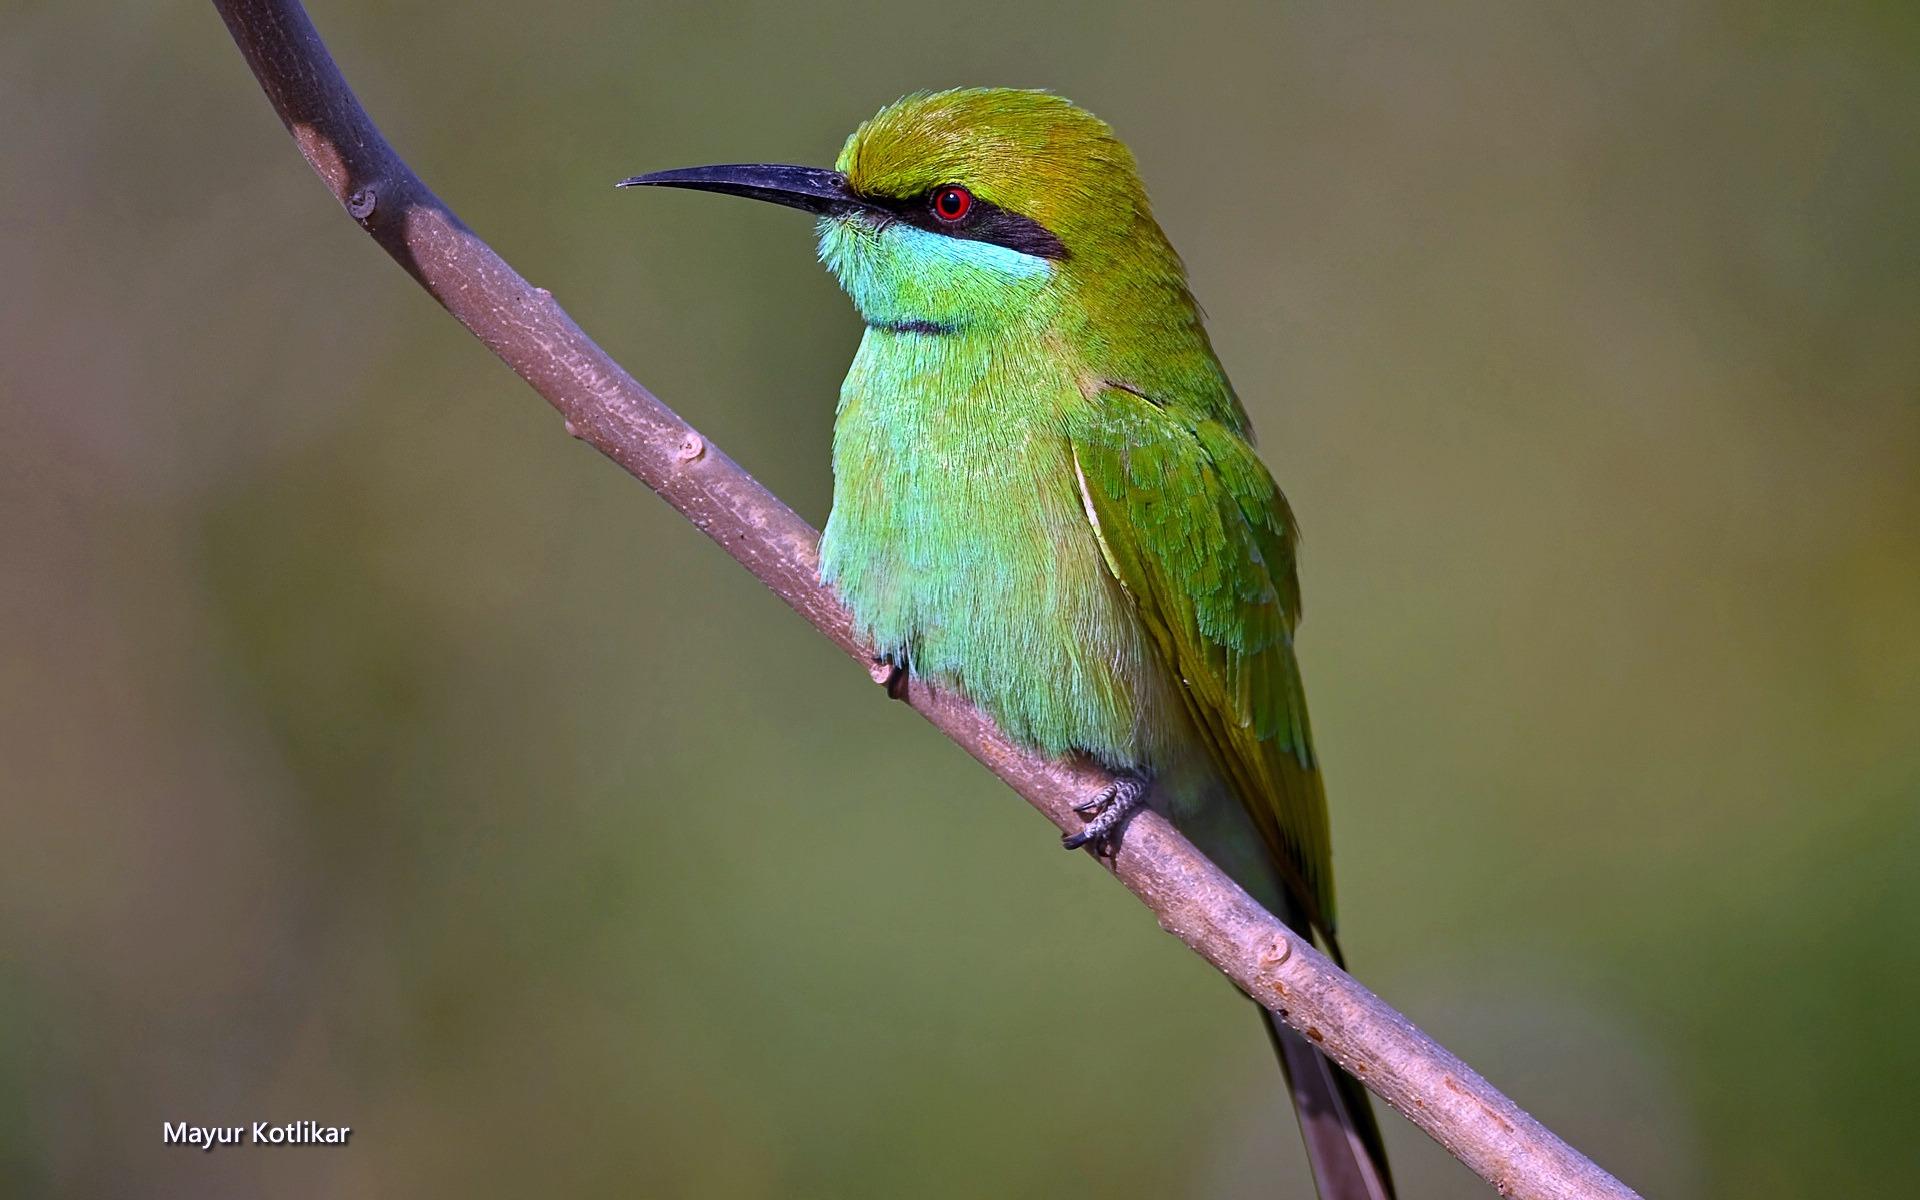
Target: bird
(1046,497)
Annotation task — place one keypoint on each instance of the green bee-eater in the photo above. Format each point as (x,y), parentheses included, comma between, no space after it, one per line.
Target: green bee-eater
(1045,496)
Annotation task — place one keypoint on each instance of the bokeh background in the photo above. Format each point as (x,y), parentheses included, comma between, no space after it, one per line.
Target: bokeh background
(372,753)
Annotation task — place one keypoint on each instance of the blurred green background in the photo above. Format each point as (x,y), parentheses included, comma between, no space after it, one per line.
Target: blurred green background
(372,753)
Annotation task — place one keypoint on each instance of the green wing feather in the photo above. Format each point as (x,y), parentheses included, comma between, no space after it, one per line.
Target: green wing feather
(1195,530)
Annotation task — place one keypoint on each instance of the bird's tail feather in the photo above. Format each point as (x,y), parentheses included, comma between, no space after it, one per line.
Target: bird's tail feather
(1344,1146)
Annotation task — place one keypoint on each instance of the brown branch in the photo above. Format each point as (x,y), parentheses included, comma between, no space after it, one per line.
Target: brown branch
(605,406)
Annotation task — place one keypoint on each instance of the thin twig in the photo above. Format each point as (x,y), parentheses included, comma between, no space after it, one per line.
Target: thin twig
(605,406)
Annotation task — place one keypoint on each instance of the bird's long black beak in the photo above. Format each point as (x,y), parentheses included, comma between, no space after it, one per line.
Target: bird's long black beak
(811,189)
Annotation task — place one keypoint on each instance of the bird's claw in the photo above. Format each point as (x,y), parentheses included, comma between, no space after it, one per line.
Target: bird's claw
(890,675)
(1109,810)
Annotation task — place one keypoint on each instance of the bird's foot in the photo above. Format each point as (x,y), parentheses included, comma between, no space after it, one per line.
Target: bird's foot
(1109,810)
(890,675)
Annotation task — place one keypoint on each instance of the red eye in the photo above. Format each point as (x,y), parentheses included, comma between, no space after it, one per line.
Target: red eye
(951,202)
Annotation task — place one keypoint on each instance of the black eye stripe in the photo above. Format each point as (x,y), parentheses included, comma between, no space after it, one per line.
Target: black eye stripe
(984,221)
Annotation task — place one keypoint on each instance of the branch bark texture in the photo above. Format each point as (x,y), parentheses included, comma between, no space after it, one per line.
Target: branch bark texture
(607,408)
